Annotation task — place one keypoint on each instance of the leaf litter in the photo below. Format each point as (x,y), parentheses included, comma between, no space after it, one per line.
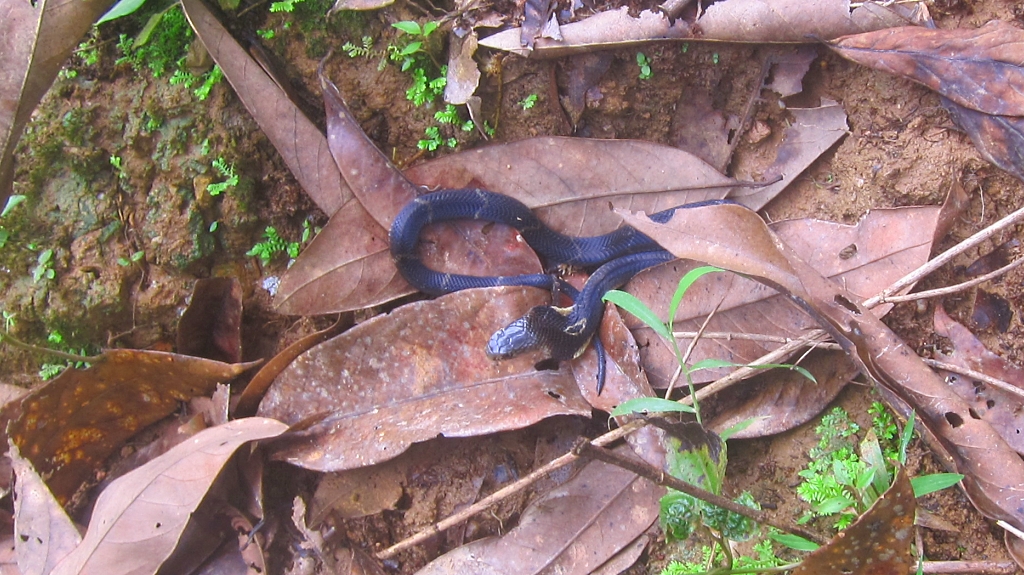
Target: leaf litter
(862,335)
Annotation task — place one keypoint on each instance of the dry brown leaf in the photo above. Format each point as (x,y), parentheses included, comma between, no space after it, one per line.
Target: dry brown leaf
(878,543)
(70,425)
(412,375)
(573,529)
(36,39)
(866,257)
(999,139)
(302,145)
(780,400)
(211,326)
(463,74)
(812,132)
(1001,409)
(137,521)
(734,238)
(976,68)
(356,493)
(45,534)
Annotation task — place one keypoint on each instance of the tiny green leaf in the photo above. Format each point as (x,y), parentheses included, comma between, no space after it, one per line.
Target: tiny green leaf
(935,482)
(794,541)
(409,27)
(650,405)
(685,283)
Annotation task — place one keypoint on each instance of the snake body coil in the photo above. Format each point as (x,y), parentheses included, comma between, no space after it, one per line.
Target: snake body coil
(562,332)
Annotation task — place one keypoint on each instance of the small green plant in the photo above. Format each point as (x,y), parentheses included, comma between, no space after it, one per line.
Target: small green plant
(118,165)
(266,34)
(528,102)
(645,66)
(414,48)
(426,89)
(273,244)
(132,259)
(762,558)
(44,266)
(840,482)
(714,58)
(49,371)
(433,140)
(227,171)
(284,5)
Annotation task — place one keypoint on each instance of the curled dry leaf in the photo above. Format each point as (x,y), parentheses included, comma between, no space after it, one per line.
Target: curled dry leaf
(734,238)
(878,543)
(733,21)
(36,39)
(211,326)
(883,247)
(412,375)
(463,73)
(999,139)
(976,68)
(70,425)
(573,529)
(138,519)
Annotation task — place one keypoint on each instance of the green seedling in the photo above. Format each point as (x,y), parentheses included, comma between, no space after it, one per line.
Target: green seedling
(762,558)
(528,102)
(227,171)
(44,266)
(414,46)
(645,66)
(273,244)
(49,371)
(284,5)
(132,259)
(118,165)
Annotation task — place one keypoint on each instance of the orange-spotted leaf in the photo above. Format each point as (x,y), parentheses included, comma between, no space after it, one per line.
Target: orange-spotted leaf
(70,425)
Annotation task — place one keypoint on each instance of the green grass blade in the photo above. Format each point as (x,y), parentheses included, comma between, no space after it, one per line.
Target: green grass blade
(931,483)
(650,405)
(631,304)
(685,283)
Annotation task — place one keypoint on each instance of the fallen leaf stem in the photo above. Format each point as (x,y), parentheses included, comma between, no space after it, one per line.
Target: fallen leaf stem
(15,342)
(976,375)
(587,449)
(954,288)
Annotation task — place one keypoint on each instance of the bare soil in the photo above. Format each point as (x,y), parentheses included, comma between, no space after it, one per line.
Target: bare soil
(901,149)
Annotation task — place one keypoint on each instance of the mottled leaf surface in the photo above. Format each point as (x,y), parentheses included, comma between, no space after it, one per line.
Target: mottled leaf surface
(878,543)
(412,375)
(70,425)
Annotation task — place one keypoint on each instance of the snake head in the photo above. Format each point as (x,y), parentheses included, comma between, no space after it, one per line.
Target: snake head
(545,327)
(513,339)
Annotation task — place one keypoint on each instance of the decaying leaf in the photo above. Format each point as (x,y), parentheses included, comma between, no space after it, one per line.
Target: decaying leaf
(356,493)
(211,326)
(463,73)
(999,139)
(45,534)
(573,529)
(68,426)
(976,68)
(138,519)
(1000,408)
(36,39)
(878,543)
(733,238)
(733,21)
(412,375)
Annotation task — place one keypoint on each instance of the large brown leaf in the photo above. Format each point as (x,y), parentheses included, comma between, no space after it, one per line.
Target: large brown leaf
(883,247)
(976,68)
(138,519)
(70,425)
(1000,139)
(569,181)
(734,238)
(412,375)
(36,39)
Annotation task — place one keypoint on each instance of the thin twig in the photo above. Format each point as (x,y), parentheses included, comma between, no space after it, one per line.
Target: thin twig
(968,567)
(955,288)
(586,449)
(945,257)
(533,477)
(976,375)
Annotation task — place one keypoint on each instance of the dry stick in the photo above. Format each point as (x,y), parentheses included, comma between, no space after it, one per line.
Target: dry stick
(968,567)
(945,257)
(955,288)
(976,375)
(504,492)
(587,450)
